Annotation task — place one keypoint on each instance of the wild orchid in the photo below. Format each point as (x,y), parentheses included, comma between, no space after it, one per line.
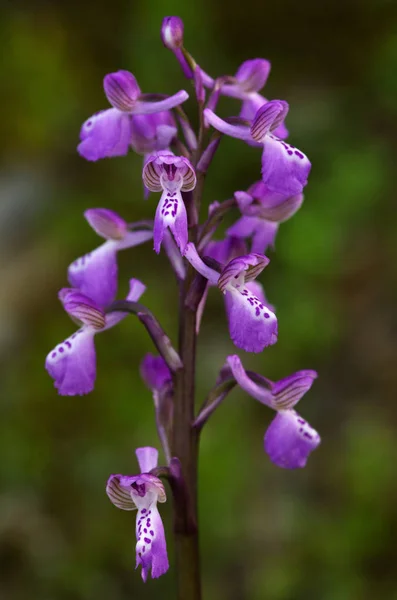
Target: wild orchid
(176,162)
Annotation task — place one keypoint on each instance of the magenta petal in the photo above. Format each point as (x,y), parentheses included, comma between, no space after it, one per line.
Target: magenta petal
(238,131)
(289,440)
(151,548)
(154,372)
(95,274)
(150,133)
(284,168)
(72,364)
(171,212)
(147,458)
(252,325)
(105,134)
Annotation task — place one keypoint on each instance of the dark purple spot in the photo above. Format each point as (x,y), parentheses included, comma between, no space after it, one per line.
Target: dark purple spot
(146,540)
(61,349)
(143,511)
(89,123)
(143,550)
(307,435)
(145,530)
(151,532)
(301,421)
(257,312)
(266,315)
(53,355)
(148,512)
(289,152)
(68,344)
(300,429)
(299,154)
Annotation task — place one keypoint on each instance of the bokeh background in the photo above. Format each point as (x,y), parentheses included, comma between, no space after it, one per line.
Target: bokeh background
(326,532)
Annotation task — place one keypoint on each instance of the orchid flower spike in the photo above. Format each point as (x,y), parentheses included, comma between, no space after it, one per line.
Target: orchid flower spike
(72,364)
(262,212)
(252,325)
(284,168)
(109,132)
(141,493)
(172,175)
(289,439)
(95,274)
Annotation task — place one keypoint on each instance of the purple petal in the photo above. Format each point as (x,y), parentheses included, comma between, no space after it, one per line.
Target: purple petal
(106,223)
(284,168)
(243,228)
(289,440)
(261,393)
(268,118)
(252,325)
(192,256)
(237,131)
(72,364)
(154,372)
(95,274)
(105,134)
(122,90)
(147,108)
(119,491)
(264,236)
(172,32)
(165,171)
(171,212)
(82,308)
(250,107)
(288,391)
(257,289)
(252,74)
(249,265)
(147,458)
(150,133)
(225,250)
(151,548)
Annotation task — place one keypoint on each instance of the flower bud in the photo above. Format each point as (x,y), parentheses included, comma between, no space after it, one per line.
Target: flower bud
(172,32)
(106,223)
(121,90)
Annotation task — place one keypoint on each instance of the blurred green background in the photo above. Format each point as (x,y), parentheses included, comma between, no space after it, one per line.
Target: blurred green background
(326,532)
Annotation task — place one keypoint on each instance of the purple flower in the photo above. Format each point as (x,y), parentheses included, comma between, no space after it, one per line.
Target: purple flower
(285,169)
(154,372)
(262,212)
(289,439)
(109,132)
(150,133)
(95,274)
(250,78)
(142,492)
(172,175)
(252,325)
(72,364)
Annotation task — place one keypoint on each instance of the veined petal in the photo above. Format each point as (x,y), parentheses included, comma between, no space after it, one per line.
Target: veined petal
(250,107)
(171,212)
(146,108)
(81,308)
(106,223)
(122,90)
(72,364)
(151,548)
(147,458)
(289,440)
(118,489)
(165,171)
(252,325)
(288,391)
(95,274)
(105,134)
(192,256)
(237,131)
(284,168)
(248,266)
(268,118)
